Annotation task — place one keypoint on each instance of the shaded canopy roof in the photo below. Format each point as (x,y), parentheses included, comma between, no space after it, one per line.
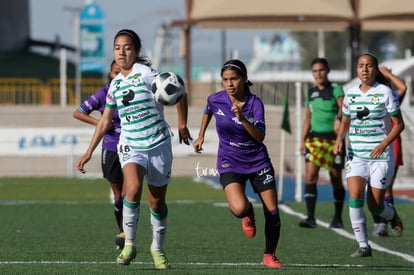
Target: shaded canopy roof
(308,15)
(270,14)
(301,14)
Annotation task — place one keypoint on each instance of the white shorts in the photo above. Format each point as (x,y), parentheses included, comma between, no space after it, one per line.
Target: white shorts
(157,162)
(377,173)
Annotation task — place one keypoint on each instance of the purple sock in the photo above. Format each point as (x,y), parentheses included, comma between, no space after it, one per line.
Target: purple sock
(118,203)
(274,212)
(389,199)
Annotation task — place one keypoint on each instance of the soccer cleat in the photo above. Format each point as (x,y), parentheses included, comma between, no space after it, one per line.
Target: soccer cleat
(337,223)
(270,260)
(120,240)
(307,223)
(380,230)
(127,255)
(249,226)
(160,260)
(362,252)
(396,224)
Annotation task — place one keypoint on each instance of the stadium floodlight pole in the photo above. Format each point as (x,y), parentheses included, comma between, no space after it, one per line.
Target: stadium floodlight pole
(75,10)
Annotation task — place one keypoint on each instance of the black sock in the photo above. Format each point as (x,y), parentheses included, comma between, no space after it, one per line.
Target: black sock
(250,211)
(378,219)
(339,197)
(310,198)
(118,214)
(272,230)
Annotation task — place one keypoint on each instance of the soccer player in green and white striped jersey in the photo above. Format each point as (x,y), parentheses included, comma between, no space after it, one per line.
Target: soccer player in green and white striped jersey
(367,111)
(144,148)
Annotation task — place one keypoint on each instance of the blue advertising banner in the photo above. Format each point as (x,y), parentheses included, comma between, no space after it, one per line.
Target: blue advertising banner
(92,38)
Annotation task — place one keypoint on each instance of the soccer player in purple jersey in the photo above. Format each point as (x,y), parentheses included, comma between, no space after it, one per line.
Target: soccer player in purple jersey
(111,168)
(242,155)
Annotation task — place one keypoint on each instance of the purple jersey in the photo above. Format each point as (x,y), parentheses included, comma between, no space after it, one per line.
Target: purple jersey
(97,103)
(238,152)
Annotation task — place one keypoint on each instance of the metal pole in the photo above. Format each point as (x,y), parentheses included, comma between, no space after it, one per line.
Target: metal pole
(78,60)
(63,78)
(298,193)
(76,38)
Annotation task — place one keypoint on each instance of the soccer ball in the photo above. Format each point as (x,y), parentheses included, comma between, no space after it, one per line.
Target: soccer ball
(168,88)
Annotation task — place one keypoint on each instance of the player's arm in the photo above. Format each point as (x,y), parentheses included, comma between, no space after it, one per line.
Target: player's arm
(337,122)
(93,103)
(398,82)
(343,129)
(85,117)
(182,111)
(255,132)
(198,143)
(397,128)
(104,124)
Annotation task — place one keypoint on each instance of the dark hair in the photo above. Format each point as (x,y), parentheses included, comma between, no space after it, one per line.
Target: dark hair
(109,77)
(136,41)
(320,60)
(238,66)
(379,77)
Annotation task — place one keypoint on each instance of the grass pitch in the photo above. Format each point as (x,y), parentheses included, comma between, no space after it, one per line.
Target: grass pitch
(66,226)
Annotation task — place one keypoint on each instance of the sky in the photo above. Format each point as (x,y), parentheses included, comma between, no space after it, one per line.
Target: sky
(51,18)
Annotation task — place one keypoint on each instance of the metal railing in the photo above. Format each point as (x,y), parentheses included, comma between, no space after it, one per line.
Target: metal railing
(34,91)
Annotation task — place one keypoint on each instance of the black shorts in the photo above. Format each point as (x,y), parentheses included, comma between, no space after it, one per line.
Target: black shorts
(261,180)
(111,168)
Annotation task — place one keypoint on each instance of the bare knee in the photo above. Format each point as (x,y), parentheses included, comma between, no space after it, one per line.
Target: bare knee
(311,173)
(239,208)
(157,205)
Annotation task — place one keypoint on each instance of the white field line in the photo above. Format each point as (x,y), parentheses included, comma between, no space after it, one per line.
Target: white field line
(348,235)
(201,264)
(282,207)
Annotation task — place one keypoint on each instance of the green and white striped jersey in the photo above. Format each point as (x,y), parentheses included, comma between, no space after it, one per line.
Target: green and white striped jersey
(369,113)
(143,126)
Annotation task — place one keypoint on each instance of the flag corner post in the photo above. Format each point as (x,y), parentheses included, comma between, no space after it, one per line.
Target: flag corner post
(298,172)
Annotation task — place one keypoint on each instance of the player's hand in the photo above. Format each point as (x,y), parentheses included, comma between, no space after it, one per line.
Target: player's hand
(337,147)
(198,145)
(184,135)
(82,161)
(385,71)
(302,148)
(237,111)
(377,151)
